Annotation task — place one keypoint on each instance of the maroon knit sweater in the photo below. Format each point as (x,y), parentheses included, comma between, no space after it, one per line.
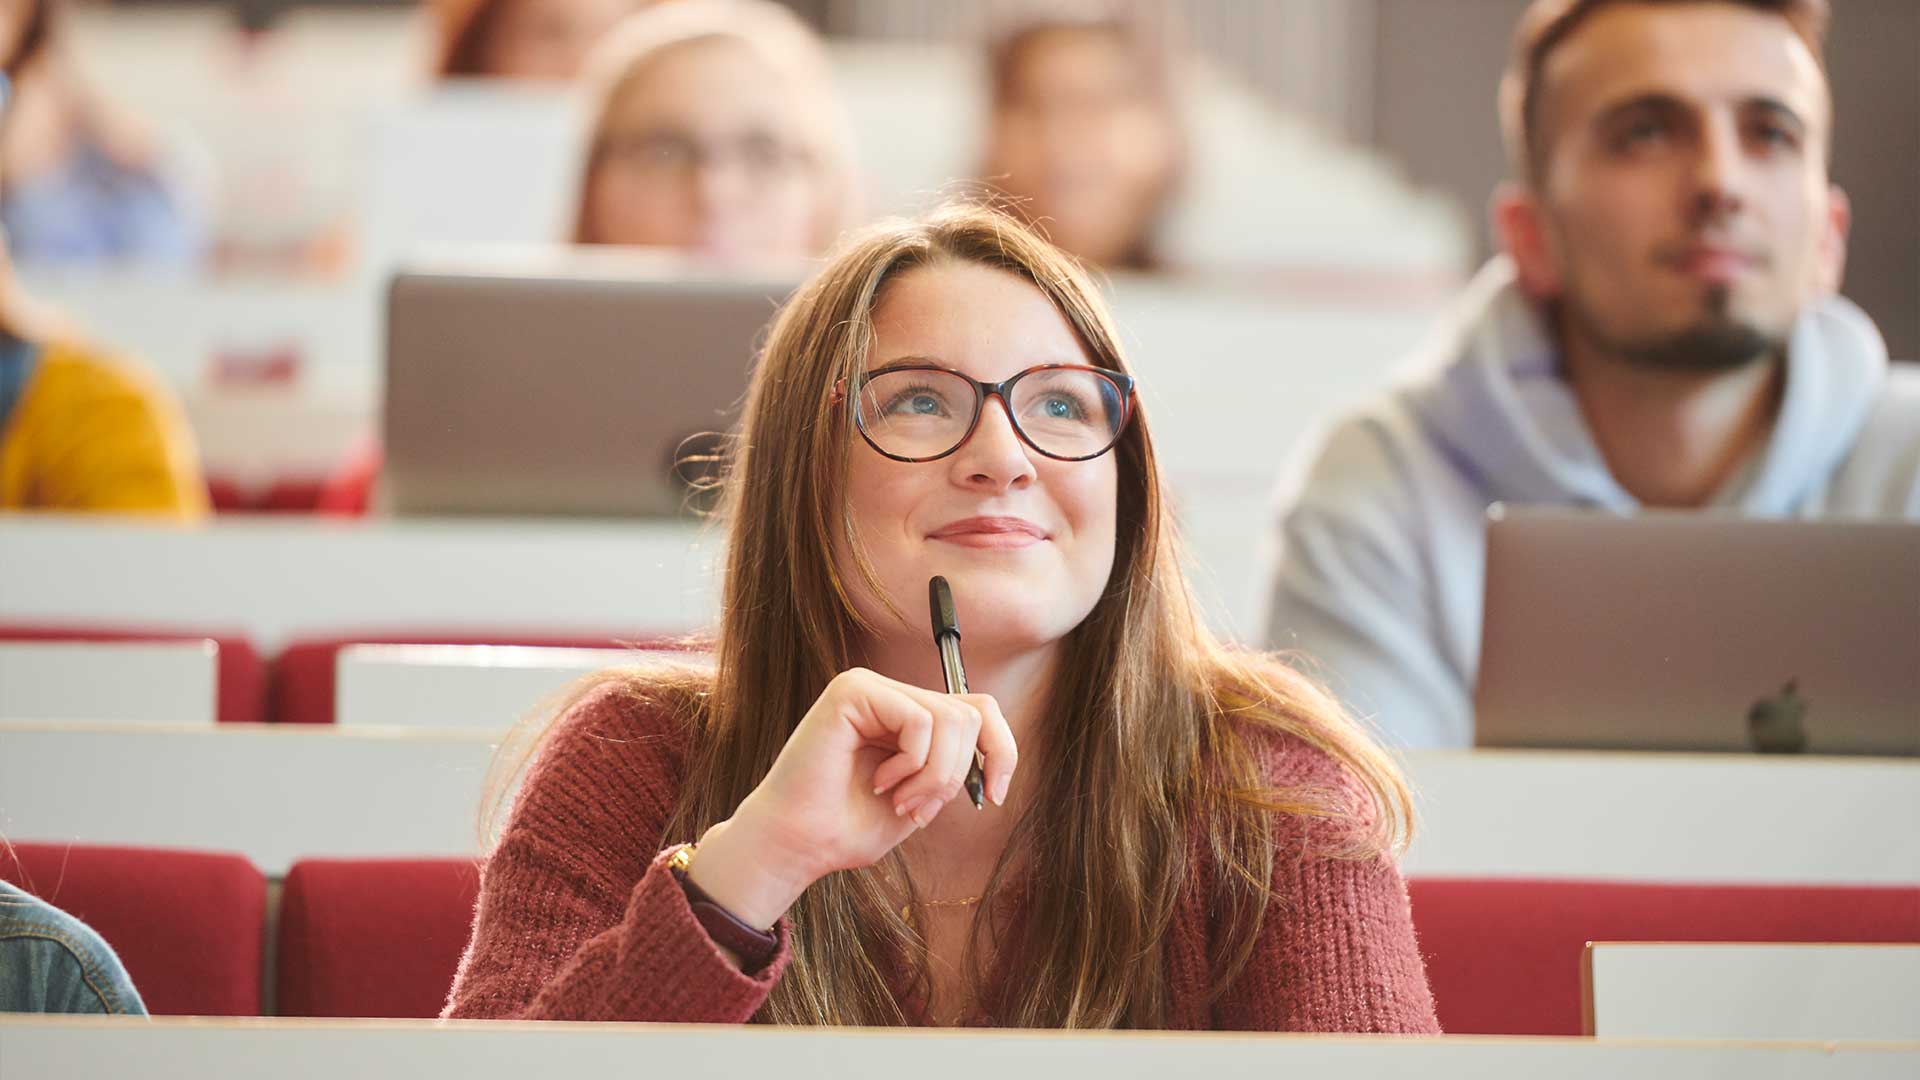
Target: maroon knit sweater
(579,918)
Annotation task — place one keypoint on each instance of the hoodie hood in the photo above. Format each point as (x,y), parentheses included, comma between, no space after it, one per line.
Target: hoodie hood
(1491,395)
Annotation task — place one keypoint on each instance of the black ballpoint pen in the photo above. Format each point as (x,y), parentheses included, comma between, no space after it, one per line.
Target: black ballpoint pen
(946,635)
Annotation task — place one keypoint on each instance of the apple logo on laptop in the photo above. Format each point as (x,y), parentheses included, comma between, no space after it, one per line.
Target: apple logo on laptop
(1777,724)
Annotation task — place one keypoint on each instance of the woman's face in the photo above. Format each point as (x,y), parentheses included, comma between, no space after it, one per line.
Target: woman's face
(1026,541)
(546,40)
(1079,136)
(704,151)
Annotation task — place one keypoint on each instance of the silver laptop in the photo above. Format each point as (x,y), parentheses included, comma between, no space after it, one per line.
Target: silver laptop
(573,384)
(1700,631)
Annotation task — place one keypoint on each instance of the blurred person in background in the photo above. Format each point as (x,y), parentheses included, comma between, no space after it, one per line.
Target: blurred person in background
(534,40)
(85,181)
(1663,330)
(80,431)
(717,133)
(1085,133)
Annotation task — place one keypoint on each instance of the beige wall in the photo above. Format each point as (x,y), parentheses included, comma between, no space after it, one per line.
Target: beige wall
(1438,62)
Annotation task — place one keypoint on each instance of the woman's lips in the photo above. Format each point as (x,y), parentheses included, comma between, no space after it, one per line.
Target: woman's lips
(989,532)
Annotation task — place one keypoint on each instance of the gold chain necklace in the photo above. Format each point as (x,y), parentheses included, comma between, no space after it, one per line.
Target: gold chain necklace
(906,910)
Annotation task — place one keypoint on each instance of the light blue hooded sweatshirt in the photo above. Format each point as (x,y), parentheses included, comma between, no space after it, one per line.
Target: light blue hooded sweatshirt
(1378,555)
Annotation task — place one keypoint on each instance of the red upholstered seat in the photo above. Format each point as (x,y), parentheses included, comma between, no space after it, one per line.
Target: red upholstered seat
(1504,955)
(373,937)
(188,925)
(241,675)
(303,676)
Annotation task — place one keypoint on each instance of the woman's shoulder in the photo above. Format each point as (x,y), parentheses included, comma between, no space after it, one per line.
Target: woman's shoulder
(624,734)
(81,369)
(1315,764)
(652,706)
(1290,762)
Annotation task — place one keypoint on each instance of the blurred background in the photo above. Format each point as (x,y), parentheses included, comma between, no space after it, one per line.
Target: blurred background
(279,102)
(223,190)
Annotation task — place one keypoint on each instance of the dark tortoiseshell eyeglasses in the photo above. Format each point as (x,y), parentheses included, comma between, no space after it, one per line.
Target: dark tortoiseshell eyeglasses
(924,412)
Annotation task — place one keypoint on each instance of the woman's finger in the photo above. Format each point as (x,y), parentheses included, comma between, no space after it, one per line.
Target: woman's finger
(996,743)
(895,769)
(888,717)
(956,729)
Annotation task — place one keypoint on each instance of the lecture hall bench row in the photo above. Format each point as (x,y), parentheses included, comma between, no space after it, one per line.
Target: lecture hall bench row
(296,686)
(382,937)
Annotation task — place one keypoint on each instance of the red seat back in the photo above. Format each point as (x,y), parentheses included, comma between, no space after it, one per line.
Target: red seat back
(1504,955)
(188,925)
(241,675)
(373,937)
(303,676)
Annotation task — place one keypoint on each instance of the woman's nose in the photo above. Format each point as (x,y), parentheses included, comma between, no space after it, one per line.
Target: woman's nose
(993,455)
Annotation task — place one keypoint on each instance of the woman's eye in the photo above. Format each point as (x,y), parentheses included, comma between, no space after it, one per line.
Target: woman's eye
(1061,407)
(916,403)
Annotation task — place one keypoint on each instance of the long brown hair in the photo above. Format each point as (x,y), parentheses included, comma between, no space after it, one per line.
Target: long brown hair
(1148,753)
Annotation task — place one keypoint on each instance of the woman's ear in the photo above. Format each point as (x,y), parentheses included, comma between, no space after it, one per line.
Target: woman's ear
(1520,230)
(1832,256)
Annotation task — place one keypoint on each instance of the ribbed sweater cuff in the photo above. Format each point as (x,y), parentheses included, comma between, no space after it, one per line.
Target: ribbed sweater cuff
(673,962)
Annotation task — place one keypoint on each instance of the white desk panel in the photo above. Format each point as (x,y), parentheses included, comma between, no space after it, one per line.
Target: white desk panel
(277,793)
(67,1048)
(1665,817)
(277,579)
(273,793)
(481,687)
(280,578)
(163,682)
(1661,990)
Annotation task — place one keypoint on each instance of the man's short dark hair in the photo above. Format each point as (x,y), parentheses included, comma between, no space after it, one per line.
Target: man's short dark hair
(1548,23)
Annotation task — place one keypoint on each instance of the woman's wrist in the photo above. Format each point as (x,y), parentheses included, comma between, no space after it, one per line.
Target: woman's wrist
(742,870)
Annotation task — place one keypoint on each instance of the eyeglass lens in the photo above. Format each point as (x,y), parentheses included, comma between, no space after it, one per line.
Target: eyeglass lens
(919,413)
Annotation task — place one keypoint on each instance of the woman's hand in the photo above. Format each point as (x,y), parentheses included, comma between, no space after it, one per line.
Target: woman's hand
(871,762)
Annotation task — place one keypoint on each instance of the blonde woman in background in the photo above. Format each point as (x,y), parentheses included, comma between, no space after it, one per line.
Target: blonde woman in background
(716,132)
(1176,834)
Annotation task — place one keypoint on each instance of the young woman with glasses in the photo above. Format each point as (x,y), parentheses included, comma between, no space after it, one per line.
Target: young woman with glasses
(1176,834)
(716,132)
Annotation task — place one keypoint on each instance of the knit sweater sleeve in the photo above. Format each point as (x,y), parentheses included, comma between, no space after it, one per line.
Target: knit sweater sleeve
(1336,951)
(579,917)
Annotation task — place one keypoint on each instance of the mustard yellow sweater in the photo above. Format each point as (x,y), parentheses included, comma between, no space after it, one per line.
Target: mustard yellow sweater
(91,433)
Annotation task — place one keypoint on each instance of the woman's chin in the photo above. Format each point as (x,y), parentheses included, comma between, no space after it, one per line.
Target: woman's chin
(1011,616)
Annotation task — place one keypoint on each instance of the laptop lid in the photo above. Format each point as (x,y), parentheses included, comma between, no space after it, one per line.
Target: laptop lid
(1699,631)
(571,385)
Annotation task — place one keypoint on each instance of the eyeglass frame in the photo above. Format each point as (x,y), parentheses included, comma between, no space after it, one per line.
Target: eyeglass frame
(703,154)
(981,392)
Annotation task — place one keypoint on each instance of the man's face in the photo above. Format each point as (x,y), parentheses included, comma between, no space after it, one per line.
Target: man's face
(1684,211)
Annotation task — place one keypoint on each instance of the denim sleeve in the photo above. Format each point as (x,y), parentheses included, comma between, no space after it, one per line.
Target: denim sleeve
(50,967)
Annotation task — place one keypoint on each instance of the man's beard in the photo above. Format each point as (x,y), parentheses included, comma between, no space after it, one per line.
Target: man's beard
(1717,341)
